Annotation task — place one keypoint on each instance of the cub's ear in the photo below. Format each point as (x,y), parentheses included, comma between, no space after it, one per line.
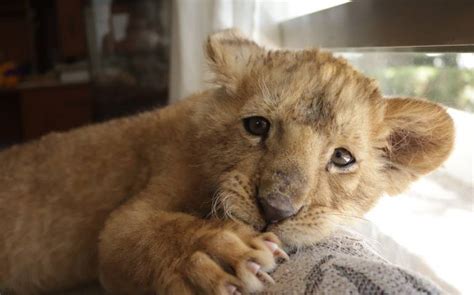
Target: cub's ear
(420,138)
(230,57)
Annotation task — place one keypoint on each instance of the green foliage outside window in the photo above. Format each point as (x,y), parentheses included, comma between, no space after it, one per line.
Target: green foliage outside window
(443,78)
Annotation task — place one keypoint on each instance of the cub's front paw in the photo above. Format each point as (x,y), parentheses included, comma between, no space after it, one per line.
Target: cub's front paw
(228,262)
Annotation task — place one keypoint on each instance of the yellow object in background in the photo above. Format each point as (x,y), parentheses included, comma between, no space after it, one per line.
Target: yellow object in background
(7,78)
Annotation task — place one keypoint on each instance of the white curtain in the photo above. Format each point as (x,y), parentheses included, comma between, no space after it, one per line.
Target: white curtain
(194,20)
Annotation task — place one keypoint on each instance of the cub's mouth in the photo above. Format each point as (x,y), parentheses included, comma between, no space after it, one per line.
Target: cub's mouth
(272,224)
(256,213)
(236,198)
(308,225)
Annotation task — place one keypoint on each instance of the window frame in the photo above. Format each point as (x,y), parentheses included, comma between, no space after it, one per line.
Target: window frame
(405,25)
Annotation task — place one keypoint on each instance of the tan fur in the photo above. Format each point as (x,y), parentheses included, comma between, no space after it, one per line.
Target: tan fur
(166,201)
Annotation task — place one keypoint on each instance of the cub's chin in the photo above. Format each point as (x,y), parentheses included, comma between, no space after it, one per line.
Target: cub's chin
(293,232)
(294,236)
(302,230)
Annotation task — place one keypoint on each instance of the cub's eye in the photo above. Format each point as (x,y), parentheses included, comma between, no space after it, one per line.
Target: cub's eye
(258,126)
(342,158)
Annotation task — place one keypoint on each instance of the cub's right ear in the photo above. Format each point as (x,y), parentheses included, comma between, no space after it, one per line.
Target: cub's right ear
(230,56)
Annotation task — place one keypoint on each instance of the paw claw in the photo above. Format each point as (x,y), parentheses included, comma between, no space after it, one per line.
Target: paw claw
(231,289)
(266,278)
(281,255)
(272,246)
(253,267)
(277,252)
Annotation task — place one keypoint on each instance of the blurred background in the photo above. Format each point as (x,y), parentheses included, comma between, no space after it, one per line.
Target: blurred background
(67,63)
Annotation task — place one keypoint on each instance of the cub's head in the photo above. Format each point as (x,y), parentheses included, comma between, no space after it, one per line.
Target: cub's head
(297,142)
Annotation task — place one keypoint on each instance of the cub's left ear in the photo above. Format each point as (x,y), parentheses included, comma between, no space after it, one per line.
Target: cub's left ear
(230,57)
(421,136)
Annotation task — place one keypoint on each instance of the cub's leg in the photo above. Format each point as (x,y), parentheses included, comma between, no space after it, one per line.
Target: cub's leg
(143,250)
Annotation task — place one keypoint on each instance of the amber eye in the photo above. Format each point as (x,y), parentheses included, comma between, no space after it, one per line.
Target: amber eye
(342,158)
(258,126)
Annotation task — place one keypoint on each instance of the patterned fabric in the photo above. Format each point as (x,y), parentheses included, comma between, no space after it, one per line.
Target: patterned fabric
(344,264)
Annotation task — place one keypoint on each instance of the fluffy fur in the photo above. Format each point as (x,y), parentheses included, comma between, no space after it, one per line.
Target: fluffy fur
(166,201)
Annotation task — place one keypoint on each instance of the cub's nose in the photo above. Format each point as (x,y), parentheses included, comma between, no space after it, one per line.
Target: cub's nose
(276,207)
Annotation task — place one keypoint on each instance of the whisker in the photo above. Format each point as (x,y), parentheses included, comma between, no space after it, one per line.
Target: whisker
(214,204)
(217,207)
(347,215)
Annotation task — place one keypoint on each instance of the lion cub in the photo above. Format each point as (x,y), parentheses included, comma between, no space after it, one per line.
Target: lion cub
(202,196)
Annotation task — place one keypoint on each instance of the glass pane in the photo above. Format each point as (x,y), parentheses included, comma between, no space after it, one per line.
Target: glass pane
(441,201)
(447,78)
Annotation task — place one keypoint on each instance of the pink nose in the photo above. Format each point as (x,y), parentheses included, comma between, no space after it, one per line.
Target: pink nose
(276,207)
